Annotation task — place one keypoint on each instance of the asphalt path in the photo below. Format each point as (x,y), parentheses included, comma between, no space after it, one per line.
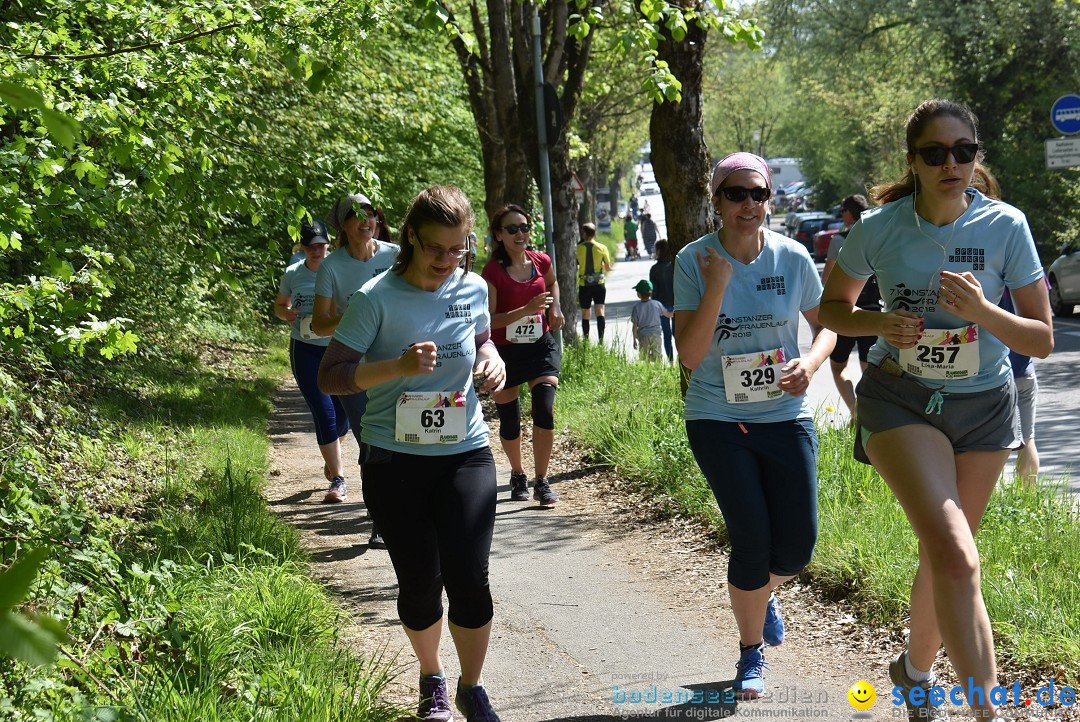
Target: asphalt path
(1059,393)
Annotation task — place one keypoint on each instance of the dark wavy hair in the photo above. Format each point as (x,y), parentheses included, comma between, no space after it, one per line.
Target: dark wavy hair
(498,250)
(438,205)
(928,111)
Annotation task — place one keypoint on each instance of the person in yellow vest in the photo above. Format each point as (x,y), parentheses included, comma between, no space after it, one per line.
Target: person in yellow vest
(593,262)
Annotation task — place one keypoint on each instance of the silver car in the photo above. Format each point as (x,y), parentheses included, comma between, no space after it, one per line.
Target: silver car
(1064,277)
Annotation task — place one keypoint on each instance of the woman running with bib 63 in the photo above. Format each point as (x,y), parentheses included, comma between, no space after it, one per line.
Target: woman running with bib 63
(422,331)
(936,405)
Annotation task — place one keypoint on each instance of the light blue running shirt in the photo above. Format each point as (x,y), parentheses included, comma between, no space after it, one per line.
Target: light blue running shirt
(298,283)
(388,315)
(760,313)
(341,275)
(990,239)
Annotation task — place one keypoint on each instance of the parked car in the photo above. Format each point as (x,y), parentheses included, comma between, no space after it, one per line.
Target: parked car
(650,188)
(823,238)
(804,233)
(1064,277)
(793,219)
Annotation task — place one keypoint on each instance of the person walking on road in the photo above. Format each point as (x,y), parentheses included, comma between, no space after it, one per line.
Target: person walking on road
(294,305)
(662,277)
(418,340)
(738,296)
(1027,392)
(648,234)
(593,263)
(360,257)
(523,298)
(630,228)
(937,403)
(645,322)
(869,300)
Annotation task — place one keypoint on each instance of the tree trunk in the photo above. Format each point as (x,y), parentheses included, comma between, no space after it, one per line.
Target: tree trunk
(587,208)
(493,88)
(564,228)
(680,158)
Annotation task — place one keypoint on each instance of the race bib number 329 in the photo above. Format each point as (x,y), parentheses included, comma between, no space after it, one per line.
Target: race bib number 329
(751,377)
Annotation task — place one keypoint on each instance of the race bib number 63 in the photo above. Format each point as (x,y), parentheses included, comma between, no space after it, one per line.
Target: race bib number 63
(430,417)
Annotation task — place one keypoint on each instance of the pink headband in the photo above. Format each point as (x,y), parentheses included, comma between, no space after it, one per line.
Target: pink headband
(738,161)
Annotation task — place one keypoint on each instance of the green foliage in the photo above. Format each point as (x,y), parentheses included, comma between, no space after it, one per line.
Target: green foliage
(31,638)
(1009,61)
(183,594)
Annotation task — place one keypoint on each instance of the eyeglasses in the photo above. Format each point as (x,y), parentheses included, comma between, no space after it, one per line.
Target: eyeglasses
(738,194)
(438,252)
(513,228)
(937,154)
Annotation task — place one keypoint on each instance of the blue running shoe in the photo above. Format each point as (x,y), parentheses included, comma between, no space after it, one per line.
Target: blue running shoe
(773,631)
(473,702)
(337,492)
(750,674)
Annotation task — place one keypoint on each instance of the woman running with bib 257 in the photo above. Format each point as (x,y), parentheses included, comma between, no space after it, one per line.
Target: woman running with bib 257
(937,405)
(738,296)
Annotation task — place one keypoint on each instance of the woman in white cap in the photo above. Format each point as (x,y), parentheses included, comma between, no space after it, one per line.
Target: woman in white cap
(738,296)
(360,258)
(294,304)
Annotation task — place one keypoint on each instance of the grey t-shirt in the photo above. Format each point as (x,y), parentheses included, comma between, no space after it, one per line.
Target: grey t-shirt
(646,314)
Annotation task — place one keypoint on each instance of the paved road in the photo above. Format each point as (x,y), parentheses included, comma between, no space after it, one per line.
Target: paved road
(1059,393)
(594,622)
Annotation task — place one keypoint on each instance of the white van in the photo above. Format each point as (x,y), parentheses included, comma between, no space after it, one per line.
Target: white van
(784,171)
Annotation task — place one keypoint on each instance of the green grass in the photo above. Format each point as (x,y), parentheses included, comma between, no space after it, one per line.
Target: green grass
(185,598)
(630,417)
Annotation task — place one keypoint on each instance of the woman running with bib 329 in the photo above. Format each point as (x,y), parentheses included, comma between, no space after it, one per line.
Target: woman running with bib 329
(738,296)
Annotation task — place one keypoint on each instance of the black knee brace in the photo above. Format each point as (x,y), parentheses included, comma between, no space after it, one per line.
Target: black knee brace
(543,406)
(509,419)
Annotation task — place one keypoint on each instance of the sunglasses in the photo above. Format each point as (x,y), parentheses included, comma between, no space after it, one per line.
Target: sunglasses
(738,194)
(513,228)
(937,154)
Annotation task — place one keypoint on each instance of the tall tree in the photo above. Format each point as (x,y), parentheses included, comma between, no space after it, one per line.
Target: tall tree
(496,50)
(680,157)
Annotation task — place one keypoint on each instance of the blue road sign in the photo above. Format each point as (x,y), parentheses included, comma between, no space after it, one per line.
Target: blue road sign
(1065,114)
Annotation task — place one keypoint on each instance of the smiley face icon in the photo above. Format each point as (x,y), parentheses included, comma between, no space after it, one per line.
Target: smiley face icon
(862,695)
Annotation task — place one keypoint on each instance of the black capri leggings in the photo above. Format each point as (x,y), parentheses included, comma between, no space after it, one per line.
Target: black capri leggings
(436,514)
(764,478)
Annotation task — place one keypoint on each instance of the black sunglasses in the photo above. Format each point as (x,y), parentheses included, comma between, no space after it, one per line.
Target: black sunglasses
(936,154)
(514,228)
(738,194)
